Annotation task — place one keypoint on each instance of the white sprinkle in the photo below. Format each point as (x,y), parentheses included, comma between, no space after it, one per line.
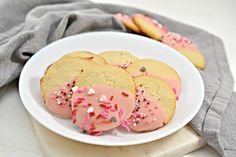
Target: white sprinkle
(58,94)
(55,92)
(91,91)
(68,96)
(103,98)
(135,124)
(63,97)
(154,119)
(75,88)
(64,88)
(90,109)
(57,99)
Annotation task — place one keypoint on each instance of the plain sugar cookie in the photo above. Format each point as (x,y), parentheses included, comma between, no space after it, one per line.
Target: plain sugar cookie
(118,58)
(85,55)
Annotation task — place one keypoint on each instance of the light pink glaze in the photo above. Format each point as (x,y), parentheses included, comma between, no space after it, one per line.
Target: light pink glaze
(59,101)
(147,115)
(94,116)
(175,84)
(124,18)
(154,22)
(179,42)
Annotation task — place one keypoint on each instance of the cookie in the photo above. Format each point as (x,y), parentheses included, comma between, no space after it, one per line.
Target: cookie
(103,99)
(57,82)
(85,55)
(155,104)
(127,22)
(185,47)
(157,69)
(118,58)
(149,26)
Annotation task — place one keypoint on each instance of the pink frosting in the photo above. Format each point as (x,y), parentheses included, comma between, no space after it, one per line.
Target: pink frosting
(59,101)
(179,42)
(175,84)
(103,109)
(147,115)
(127,21)
(124,18)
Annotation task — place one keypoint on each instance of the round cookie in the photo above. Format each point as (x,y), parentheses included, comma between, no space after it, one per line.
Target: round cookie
(103,98)
(127,22)
(155,104)
(57,82)
(118,58)
(85,55)
(157,69)
(149,26)
(185,47)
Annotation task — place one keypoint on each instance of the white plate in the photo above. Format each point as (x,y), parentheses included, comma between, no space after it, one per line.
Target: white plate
(191,96)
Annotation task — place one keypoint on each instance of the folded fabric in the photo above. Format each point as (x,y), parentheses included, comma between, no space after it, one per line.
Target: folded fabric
(25,31)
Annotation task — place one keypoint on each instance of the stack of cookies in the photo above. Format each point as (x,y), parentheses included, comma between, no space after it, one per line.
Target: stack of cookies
(143,24)
(114,88)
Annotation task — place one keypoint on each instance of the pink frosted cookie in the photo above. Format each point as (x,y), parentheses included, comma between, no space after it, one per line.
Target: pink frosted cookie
(157,69)
(128,22)
(57,82)
(101,108)
(149,26)
(185,47)
(101,100)
(155,104)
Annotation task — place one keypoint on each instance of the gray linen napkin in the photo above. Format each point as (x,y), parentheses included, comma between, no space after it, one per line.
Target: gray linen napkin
(24,31)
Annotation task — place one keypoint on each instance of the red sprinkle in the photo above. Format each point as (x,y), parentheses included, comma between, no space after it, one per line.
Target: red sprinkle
(91,114)
(125,94)
(174,90)
(116,107)
(111,98)
(177,98)
(103,105)
(92,127)
(105,122)
(98,116)
(74,120)
(95,133)
(73,112)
